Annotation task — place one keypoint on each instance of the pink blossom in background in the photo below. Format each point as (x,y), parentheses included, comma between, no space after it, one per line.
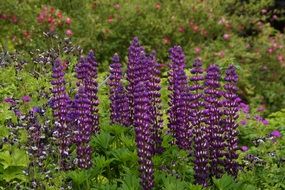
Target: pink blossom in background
(69,32)
(226,36)
(197,50)
(68,20)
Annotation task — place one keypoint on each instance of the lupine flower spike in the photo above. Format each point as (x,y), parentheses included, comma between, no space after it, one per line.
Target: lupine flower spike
(179,99)
(199,129)
(60,101)
(143,125)
(213,112)
(231,108)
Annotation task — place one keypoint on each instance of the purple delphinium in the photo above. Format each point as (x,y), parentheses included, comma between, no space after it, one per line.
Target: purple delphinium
(231,107)
(87,74)
(179,98)
(84,129)
(199,130)
(60,101)
(212,111)
(156,102)
(133,59)
(143,134)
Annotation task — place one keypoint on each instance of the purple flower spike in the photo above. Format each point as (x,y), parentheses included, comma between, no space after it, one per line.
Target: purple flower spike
(231,108)
(60,100)
(133,60)
(179,98)
(87,74)
(199,129)
(213,113)
(118,97)
(84,128)
(155,87)
(143,130)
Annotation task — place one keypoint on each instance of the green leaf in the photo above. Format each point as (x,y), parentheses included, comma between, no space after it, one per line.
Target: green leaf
(103,141)
(17,157)
(130,182)
(224,183)
(12,173)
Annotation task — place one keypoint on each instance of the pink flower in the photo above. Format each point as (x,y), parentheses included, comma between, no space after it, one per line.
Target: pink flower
(280,58)
(226,36)
(263,11)
(276,134)
(68,20)
(117,6)
(221,54)
(270,50)
(110,19)
(244,148)
(274,17)
(157,6)
(26,98)
(197,50)
(166,40)
(181,29)
(69,32)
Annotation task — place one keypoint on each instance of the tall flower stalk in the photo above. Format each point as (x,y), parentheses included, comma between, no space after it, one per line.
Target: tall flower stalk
(200,135)
(87,75)
(119,107)
(179,99)
(213,113)
(133,59)
(114,83)
(231,105)
(84,128)
(156,102)
(60,100)
(143,131)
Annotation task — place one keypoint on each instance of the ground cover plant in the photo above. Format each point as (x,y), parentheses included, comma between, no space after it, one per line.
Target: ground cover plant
(142,95)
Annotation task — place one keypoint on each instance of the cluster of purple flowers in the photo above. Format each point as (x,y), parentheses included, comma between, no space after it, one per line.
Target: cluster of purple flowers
(139,105)
(202,116)
(76,120)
